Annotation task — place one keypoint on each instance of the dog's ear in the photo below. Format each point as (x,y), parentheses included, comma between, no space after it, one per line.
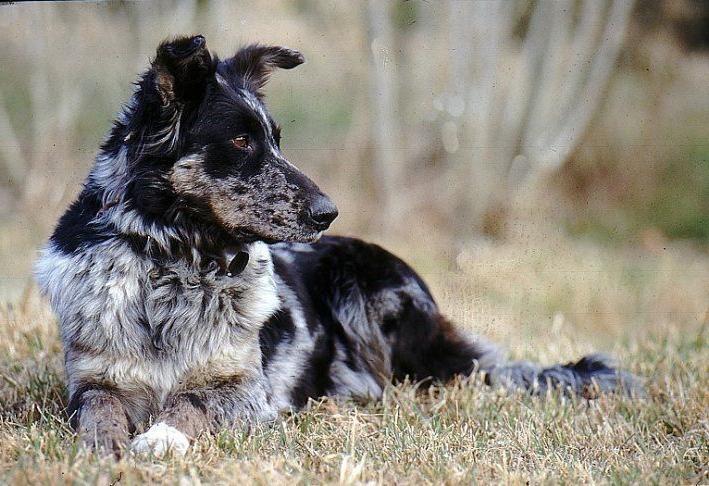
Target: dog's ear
(255,63)
(176,81)
(182,67)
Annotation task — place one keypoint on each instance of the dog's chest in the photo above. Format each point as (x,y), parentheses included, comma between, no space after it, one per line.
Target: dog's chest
(197,312)
(206,323)
(157,324)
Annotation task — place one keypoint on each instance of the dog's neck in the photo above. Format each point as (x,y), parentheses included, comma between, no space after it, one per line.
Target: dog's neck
(200,246)
(233,259)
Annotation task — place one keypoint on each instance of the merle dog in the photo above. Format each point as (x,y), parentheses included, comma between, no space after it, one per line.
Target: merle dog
(193,287)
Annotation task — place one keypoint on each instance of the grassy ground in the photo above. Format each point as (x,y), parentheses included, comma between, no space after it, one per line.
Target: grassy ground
(549,299)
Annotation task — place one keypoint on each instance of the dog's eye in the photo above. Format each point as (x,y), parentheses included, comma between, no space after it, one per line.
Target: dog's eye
(241,142)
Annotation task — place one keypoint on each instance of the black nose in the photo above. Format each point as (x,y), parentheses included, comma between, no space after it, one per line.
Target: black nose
(323,212)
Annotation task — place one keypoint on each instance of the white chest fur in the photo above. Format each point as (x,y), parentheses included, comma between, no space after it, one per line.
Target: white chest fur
(137,323)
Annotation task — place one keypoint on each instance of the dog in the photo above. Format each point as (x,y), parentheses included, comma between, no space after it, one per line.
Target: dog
(194,288)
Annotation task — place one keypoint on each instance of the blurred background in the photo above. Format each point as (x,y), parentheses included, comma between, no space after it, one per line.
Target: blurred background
(537,160)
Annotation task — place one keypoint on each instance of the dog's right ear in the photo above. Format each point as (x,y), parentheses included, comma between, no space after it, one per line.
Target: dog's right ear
(182,67)
(177,80)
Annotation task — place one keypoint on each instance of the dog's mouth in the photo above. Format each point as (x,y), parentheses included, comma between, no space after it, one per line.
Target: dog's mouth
(300,238)
(291,227)
(273,235)
(310,239)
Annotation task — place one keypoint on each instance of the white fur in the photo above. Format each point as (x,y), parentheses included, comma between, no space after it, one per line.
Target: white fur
(159,439)
(111,173)
(288,362)
(104,295)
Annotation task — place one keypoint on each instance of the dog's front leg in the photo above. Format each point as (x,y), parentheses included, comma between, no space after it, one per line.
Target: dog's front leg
(99,418)
(192,412)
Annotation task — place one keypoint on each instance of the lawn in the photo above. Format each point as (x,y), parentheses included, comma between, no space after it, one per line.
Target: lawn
(550,299)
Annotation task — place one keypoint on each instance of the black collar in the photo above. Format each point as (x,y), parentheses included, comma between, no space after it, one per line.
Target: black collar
(234,261)
(231,260)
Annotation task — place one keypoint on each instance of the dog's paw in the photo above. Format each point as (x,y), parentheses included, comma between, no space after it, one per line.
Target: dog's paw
(159,439)
(105,444)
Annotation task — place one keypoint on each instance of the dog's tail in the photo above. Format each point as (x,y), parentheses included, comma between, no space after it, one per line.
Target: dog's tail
(588,377)
(431,347)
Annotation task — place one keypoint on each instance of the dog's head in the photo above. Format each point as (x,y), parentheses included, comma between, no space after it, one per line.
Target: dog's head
(206,146)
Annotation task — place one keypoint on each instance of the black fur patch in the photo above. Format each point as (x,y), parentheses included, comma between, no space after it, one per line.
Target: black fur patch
(427,346)
(278,331)
(315,379)
(76,229)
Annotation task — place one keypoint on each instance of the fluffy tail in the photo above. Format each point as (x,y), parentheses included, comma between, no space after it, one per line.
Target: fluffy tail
(459,353)
(426,346)
(588,377)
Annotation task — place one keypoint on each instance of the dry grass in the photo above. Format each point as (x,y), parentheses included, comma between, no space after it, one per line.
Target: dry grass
(542,295)
(550,301)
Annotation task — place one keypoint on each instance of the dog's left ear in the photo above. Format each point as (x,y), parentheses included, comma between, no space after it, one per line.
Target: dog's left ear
(181,68)
(255,63)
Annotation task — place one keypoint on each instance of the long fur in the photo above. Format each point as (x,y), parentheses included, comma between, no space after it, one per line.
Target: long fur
(192,290)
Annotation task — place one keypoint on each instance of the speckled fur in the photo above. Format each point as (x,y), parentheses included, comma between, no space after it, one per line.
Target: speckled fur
(179,307)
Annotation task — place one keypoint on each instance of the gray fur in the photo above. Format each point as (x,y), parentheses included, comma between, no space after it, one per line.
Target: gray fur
(592,375)
(150,330)
(287,365)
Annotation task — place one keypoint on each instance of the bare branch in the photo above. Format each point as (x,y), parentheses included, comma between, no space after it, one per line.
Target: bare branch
(383,99)
(576,123)
(10,147)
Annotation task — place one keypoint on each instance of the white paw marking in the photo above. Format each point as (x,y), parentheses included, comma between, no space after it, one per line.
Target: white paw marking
(159,439)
